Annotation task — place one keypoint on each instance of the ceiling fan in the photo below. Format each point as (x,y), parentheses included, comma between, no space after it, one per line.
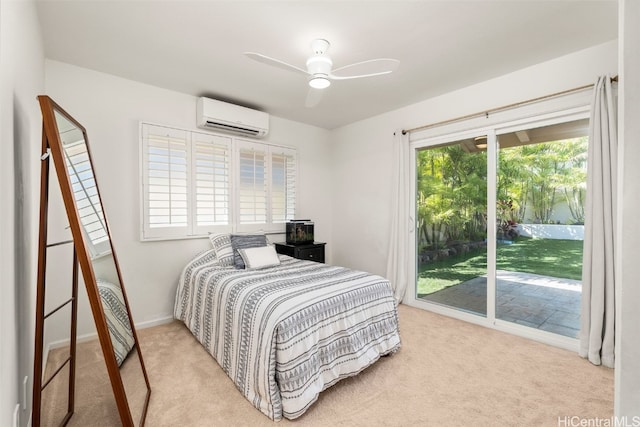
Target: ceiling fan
(319,69)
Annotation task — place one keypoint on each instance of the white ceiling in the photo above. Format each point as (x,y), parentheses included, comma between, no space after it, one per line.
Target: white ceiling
(197,47)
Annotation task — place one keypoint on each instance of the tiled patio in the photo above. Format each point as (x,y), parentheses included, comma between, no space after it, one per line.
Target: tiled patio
(541,302)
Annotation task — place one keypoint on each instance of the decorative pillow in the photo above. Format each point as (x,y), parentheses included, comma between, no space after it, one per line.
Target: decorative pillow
(222,246)
(260,257)
(244,241)
(117,319)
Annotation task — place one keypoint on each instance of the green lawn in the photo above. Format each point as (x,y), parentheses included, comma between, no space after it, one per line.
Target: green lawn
(548,257)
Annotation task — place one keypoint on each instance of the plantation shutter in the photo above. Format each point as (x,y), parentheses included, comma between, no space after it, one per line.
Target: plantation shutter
(165,182)
(211,165)
(195,182)
(86,196)
(283,184)
(252,185)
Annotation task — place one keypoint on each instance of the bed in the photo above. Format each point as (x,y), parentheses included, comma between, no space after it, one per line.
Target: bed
(286,332)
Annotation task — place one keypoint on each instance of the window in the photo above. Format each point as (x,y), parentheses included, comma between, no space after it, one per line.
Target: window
(211,184)
(252,183)
(194,183)
(165,182)
(283,184)
(266,185)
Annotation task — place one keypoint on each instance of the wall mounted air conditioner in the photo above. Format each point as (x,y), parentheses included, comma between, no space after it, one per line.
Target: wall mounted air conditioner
(213,114)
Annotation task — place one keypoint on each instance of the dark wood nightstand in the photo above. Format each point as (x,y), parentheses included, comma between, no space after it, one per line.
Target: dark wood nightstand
(311,251)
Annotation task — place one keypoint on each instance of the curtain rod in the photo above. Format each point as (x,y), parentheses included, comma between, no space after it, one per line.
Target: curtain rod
(504,107)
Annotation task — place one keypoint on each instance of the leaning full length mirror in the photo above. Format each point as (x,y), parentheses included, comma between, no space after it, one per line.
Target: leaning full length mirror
(98,262)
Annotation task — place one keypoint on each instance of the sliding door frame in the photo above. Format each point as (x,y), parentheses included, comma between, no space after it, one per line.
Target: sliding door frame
(531,117)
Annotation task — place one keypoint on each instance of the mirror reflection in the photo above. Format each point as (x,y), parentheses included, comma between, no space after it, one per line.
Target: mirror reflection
(91,215)
(85,191)
(134,384)
(114,307)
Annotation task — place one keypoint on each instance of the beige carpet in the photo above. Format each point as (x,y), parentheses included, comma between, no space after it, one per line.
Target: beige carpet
(447,373)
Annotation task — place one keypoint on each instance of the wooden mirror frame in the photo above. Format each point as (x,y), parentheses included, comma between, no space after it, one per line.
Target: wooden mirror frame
(52,140)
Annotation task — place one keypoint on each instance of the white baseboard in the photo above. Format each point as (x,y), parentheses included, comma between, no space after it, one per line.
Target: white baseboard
(65,342)
(155,322)
(94,335)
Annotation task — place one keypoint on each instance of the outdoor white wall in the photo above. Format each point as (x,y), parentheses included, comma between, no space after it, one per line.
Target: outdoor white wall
(552,231)
(627,367)
(22,79)
(111,108)
(561,214)
(362,151)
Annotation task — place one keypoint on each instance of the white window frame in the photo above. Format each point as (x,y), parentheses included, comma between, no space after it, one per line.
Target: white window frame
(234,145)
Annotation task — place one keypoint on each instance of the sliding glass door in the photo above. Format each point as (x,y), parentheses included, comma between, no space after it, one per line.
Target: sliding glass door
(524,188)
(541,186)
(451,224)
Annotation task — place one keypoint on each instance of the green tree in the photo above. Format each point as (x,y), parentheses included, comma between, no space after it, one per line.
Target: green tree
(537,175)
(573,176)
(452,188)
(451,195)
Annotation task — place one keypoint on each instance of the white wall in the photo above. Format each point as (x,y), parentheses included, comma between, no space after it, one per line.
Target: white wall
(110,108)
(22,79)
(627,368)
(344,179)
(362,150)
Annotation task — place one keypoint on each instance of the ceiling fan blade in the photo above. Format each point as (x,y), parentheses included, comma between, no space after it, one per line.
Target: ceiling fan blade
(314,96)
(369,68)
(275,62)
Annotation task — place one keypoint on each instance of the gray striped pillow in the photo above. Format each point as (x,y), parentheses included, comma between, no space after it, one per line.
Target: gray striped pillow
(115,312)
(244,241)
(222,246)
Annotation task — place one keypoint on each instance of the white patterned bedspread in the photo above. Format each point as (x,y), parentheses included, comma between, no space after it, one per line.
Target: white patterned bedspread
(284,334)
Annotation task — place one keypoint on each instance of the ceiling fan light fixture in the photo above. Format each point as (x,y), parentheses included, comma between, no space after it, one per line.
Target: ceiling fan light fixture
(319,82)
(320,72)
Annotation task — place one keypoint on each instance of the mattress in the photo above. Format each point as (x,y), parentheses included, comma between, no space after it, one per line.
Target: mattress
(285,333)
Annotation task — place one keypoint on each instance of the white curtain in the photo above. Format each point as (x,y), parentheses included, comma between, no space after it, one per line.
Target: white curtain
(598,276)
(398,261)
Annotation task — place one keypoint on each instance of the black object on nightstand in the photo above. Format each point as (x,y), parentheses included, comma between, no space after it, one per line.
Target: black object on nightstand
(311,251)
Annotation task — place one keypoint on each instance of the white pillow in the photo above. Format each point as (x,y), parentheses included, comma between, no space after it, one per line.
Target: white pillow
(259,257)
